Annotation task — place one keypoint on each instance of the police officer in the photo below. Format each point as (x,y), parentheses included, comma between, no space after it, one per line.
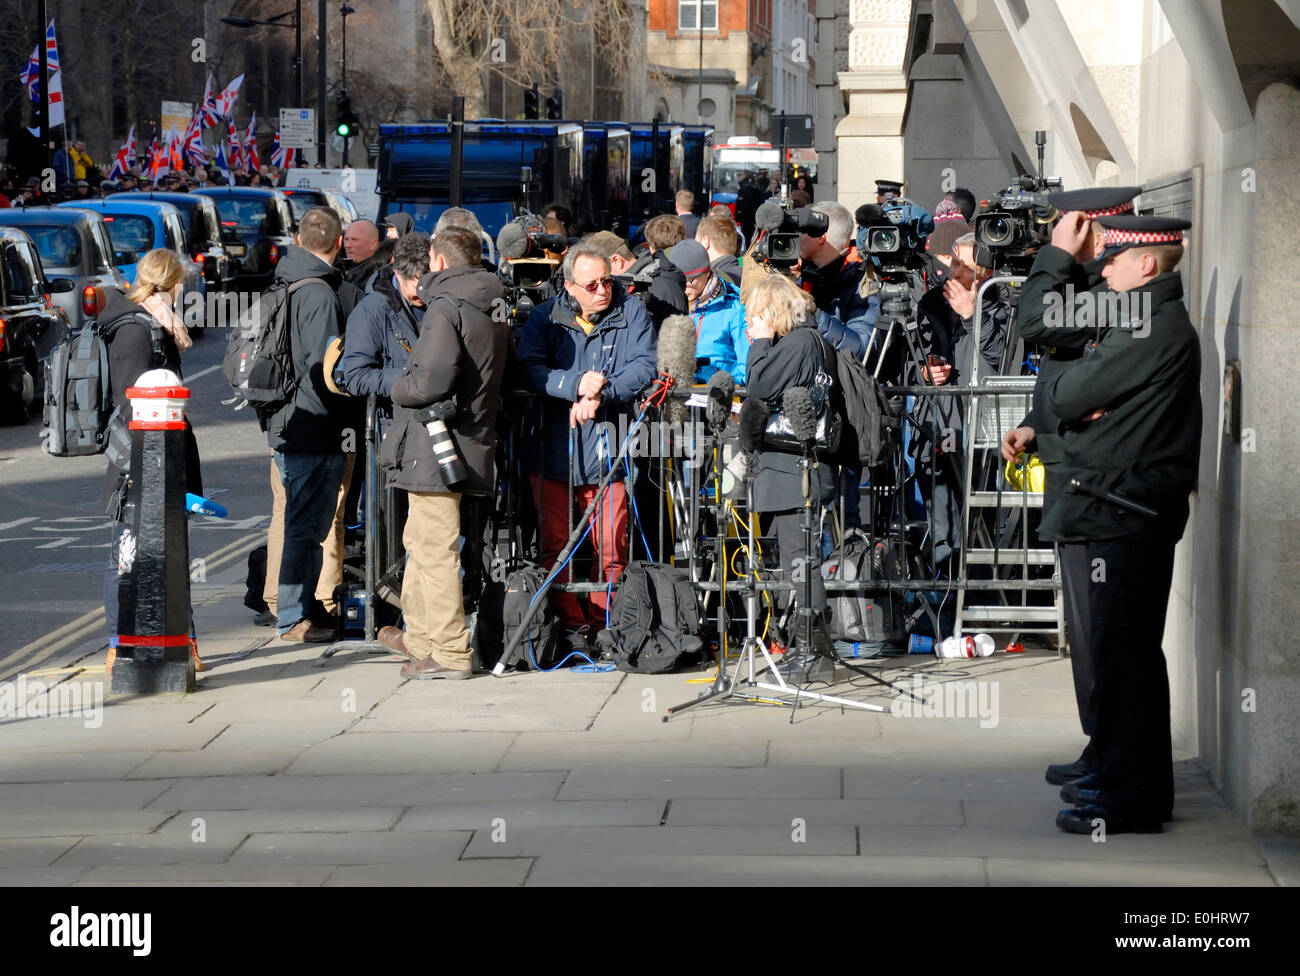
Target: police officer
(1131,413)
(1062,337)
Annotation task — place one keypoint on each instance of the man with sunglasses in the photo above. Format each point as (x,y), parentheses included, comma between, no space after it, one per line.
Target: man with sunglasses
(590,350)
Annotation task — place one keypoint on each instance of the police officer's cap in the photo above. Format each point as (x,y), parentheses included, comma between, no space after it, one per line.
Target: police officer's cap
(1096,202)
(888,186)
(1129,230)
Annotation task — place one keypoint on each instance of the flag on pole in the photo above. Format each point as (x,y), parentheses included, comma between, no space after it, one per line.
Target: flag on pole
(236,158)
(222,165)
(159,159)
(208,108)
(56,99)
(251,163)
(125,157)
(51,48)
(175,161)
(226,100)
(277,152)
(30,76)
(192,141)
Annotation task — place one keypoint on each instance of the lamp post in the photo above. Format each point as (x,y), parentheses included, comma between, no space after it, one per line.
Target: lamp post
(279,21)
(344,10)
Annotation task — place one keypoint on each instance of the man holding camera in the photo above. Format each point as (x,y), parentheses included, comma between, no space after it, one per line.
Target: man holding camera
(1057,269)
(1130,411)
(832,272)
(455,373)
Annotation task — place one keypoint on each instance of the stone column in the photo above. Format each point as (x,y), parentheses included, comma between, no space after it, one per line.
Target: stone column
(870,137)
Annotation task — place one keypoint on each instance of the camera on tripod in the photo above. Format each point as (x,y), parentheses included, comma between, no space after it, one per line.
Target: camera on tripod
(782,225)
(897,239)
(1019,223)
(435,418)
(526,265)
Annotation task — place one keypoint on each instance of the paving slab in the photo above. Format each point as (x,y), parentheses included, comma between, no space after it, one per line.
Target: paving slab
(44,768)
(496,872)
(669,782)
(663,841)
(33,852)
(352,847)
(572,750)
(203,875)
(315,820)
(485,704)
(68,736)
(1027,872)
(622,870)
(39,877)
(405,752)
(224,761)
(160,848)
(87,820)
(507,816)
(814,812)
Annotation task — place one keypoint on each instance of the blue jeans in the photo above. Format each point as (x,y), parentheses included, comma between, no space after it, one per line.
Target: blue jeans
(311,491)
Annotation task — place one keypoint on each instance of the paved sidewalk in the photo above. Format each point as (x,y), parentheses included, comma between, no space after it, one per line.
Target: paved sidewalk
(279,772)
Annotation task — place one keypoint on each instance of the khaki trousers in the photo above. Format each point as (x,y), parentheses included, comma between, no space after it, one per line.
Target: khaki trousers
(432,601)
(331,571)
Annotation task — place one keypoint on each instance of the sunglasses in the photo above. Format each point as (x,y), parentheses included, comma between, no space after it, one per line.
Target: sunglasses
(595,286)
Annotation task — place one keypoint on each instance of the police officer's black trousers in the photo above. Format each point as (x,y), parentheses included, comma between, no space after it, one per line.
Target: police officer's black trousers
(1075,571)
(1128,593)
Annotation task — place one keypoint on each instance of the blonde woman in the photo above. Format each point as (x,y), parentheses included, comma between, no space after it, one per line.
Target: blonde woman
(143,332)
(786,350)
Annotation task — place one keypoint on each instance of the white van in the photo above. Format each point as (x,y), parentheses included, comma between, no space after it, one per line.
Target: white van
(358,185)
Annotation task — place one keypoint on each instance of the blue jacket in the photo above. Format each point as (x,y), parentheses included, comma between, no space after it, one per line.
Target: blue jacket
(553,355)
(380,333)
(720,334)
(844,317)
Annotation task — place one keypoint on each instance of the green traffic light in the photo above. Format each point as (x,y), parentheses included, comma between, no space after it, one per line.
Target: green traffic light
(344,129)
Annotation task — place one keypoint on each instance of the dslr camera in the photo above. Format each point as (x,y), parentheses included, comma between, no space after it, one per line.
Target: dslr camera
(1019,223)
(782,224)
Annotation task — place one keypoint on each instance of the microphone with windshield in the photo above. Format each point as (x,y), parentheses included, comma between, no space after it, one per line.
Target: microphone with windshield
(676,356)
(721,391)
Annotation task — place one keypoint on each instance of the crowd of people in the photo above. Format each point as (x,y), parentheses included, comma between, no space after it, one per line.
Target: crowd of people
(423,330)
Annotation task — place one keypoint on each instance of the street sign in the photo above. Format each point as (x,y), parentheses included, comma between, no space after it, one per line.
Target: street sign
(298,128)
(798,130)
(174,114)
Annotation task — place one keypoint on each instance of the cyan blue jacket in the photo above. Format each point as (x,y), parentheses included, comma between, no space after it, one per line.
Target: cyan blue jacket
(844,317)
(553,355)
(720,334)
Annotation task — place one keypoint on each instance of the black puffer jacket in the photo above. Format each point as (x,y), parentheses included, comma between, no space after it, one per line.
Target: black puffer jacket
(460,355)
(775,365)
(126,328)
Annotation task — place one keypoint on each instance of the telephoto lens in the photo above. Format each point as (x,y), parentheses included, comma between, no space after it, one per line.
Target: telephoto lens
(450,465)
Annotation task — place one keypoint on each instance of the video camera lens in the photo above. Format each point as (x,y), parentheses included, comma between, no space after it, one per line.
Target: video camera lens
(783,248)
(883,240)
(995,229)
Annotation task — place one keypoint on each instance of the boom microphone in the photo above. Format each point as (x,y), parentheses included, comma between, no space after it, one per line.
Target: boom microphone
(796,402)
(769,216)
(870,215)
(512,242)
(722,389)
(676,354)
(753,421)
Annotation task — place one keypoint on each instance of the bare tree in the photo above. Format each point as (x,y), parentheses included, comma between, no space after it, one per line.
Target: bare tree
(517,40)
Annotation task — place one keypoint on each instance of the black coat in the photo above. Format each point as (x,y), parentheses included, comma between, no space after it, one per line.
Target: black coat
(1147,444)
(666,293)
(775,365)
(1061,344)
(127,331)
(313,420)
(461,355)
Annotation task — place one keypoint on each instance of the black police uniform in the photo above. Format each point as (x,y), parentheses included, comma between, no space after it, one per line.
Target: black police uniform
(1061,346)
(1145,374)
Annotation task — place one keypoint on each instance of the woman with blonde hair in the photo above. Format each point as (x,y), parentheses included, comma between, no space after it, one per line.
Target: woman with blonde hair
(786,350)
(143,332)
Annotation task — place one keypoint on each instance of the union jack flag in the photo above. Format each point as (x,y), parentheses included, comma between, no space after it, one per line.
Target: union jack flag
(208,109)
(251,163)
(192,141)
(236,149)
(125,158)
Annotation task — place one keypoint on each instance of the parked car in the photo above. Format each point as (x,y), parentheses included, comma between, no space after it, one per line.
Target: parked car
(137,226)
(72,243)
(257,224)
(344,207)
(303,200)
(202,236)
(30,325)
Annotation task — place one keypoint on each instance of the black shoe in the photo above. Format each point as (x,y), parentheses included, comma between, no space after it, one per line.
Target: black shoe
(1080,821)
(1082,791)
(1062,773)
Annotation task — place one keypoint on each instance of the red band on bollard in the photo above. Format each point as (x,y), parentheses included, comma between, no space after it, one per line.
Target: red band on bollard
(158,393)
(155,425)
(171,640)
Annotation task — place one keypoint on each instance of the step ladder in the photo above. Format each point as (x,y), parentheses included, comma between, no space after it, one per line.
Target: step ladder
(987,536)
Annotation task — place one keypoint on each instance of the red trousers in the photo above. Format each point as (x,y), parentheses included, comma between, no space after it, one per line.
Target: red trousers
(608,532)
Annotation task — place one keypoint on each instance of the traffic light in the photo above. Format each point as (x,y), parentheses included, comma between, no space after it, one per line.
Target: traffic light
(531,101)
(555,105)
(346,120)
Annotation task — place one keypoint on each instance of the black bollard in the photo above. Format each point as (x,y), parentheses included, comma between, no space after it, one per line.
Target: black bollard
(153,589)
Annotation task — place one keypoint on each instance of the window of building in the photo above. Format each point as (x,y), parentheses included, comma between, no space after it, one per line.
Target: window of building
(689,13)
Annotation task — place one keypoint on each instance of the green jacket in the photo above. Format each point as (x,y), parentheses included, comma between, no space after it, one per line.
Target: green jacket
(1147,444)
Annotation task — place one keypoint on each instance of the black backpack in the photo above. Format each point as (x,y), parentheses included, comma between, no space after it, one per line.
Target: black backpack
(79,418)
(500,613)
(654,620)
(871,422)
(870,615)
(258,363)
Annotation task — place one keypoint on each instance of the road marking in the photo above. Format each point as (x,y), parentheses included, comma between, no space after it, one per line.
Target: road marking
(17,522)
(203,372)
